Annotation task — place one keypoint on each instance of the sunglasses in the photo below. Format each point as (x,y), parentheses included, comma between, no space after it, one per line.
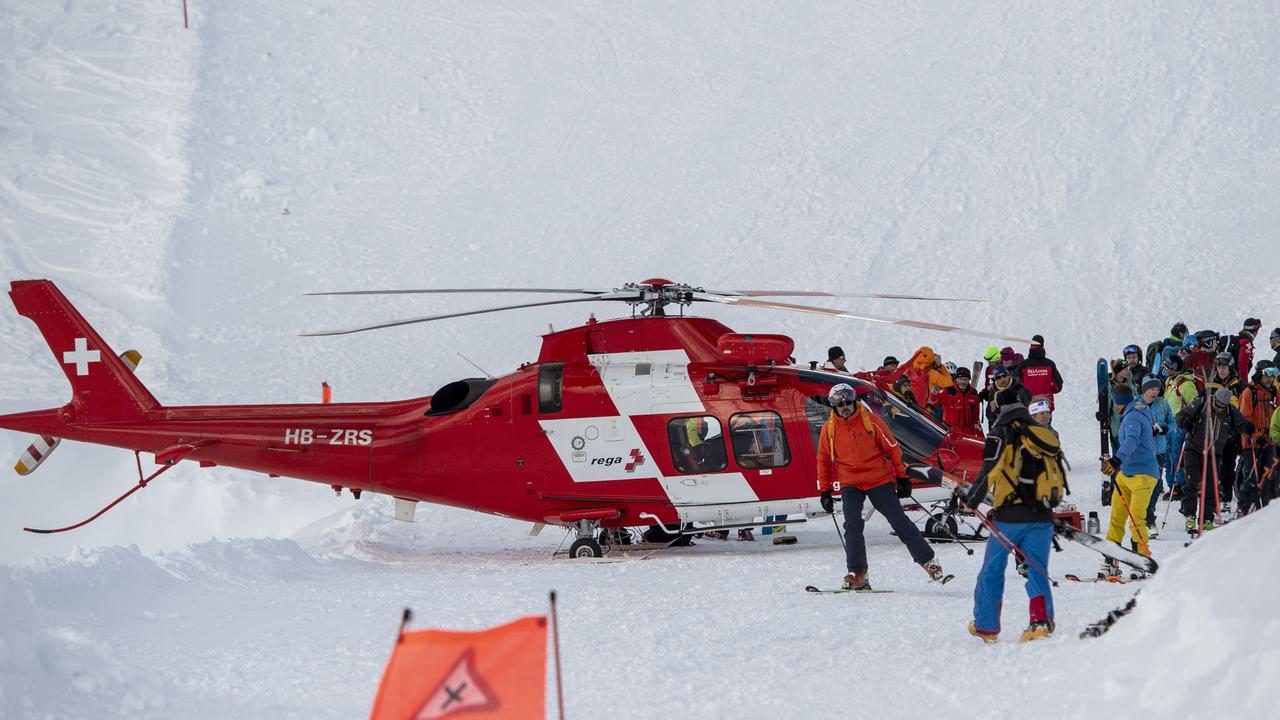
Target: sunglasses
(845,404)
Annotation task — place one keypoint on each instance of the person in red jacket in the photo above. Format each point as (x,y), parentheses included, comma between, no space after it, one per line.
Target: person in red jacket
(858,454)
(928,377)
(1039,375)
(1244,347)
(961,407)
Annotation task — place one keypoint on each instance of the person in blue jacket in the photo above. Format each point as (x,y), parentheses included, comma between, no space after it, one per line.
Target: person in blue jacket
(1164,423)
(1134,469)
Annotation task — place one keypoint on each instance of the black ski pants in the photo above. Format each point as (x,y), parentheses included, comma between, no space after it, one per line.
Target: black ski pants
(885,500)
(1195,464)
(1256,487)
(1227,471)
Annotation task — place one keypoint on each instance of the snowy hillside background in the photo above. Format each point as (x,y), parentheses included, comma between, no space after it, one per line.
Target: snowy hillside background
(1095,170)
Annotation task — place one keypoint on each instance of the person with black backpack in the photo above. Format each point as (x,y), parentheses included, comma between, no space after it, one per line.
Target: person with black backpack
(1209,426)
(1241,347)
(1161,350)
(1022,471)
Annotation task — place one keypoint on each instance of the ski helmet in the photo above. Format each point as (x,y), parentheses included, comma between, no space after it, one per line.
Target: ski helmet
(1191,342)
(1223,358)
(841,394)
(993,353)
(1132,350)
(951,368)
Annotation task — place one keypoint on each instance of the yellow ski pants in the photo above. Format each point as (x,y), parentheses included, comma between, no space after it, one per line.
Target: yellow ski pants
(1129,501)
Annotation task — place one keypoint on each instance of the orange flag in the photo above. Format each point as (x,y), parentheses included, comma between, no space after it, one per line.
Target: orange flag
(496,673)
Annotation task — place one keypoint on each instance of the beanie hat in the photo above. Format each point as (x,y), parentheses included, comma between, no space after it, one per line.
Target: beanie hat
(889,359)
(1039,406)
(993,353)
(1222,397)
(834,352)
(1008,396)
(1006,353)
(1121,394)
(962,373)
(1252,324)
(1151,384)
(1118,364)
(1037,340)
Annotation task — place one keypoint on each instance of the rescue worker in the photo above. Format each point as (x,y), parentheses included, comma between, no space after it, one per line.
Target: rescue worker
(1022,522)
(1133,470)
(1039,375)
(928,377)
(961,407)
(858,451)
(1200,458)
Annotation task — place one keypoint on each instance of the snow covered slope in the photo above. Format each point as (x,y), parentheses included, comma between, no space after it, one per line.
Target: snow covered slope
(1097,170)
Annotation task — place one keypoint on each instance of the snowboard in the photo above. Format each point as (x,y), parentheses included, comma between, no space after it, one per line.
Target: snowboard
(1107,548)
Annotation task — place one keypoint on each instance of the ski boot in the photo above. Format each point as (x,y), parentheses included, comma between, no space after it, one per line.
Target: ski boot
(1192,529)
(856,581)
(1036,630)
(1152,532)
(1207,526)
(745,534)
(1108,569)
(935,572)
(988,636)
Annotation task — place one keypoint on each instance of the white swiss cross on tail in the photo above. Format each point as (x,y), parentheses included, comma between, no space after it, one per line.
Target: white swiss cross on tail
(462,690)
(81,356)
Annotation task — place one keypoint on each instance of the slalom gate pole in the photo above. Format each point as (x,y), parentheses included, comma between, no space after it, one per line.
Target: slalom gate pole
(555,643)
(1011,547)
(1204,469)
(946,528)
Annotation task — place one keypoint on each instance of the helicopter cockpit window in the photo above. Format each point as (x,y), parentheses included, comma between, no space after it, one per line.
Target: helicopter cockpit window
(758,440)
(551,387)
(697,445)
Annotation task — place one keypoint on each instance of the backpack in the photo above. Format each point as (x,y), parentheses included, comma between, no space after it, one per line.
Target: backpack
(1031,469)
(1153,355)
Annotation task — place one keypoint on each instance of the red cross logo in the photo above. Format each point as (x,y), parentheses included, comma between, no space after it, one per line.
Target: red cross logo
(636,459)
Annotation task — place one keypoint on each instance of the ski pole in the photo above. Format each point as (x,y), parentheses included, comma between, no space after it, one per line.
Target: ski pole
(839,533)
(1173,480)
(1011,547)
(946,528)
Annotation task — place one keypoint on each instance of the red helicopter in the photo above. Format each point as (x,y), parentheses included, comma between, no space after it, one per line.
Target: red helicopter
(656,419)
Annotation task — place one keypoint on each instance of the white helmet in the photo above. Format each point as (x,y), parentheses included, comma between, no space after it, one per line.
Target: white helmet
(841,394)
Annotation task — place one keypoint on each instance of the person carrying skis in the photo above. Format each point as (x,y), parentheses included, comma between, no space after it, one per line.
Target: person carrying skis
(1224,376)
(1133,470)
(1217,422)
(858,451)
(1121,377)
(1024,484)
(1180,390)
(1039,375)
(1258,405)
(961,407)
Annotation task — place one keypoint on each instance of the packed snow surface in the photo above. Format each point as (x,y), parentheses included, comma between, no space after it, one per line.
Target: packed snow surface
(1095,170)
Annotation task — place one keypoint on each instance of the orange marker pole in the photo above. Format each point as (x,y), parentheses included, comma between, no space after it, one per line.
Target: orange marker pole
(555,641)
(326,393)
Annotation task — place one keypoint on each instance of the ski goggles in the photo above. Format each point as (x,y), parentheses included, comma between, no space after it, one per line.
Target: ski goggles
(1222,362)
(1271,371)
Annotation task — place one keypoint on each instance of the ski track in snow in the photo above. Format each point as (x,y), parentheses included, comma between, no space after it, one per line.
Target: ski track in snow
(1089,168)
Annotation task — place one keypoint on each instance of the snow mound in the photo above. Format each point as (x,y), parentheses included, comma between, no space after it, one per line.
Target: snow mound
(1204,636)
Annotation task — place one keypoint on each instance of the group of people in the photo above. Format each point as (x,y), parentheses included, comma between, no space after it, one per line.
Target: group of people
(858,454)
(948,392)
(1195,414)
(1211,409)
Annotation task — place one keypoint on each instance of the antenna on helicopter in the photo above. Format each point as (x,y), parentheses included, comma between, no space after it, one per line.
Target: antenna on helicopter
(486,372)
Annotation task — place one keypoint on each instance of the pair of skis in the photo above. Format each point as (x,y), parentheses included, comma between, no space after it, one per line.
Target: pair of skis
(824,591)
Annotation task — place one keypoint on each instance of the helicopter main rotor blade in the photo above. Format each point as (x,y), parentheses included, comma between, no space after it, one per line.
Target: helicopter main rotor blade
(575,291)
(624,296)
(809,293)
(728,300)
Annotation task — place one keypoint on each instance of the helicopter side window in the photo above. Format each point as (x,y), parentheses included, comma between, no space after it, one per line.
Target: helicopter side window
(759,440)
(697,445)
(551,387)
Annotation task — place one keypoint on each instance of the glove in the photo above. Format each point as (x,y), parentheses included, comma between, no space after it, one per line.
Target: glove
(1159,430)
(828,504)
(1098,416)
(903,487)
(1110,466)
(972,499)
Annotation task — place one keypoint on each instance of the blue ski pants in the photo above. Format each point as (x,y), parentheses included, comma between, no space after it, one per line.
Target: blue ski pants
(1033,541)
(1176,436)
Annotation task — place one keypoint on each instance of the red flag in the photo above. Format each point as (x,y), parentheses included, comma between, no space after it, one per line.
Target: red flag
(496,673)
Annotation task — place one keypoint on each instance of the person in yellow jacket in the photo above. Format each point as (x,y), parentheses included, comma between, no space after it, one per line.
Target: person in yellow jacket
(858,455)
